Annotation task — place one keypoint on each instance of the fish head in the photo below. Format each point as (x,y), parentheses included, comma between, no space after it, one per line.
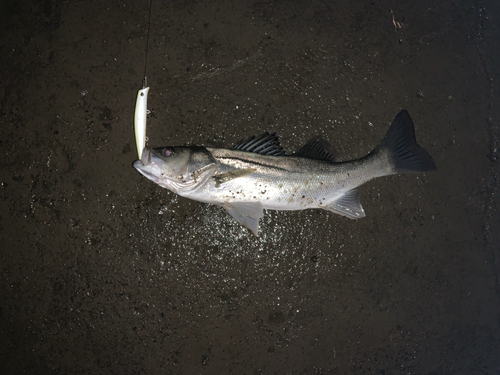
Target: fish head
(175,168)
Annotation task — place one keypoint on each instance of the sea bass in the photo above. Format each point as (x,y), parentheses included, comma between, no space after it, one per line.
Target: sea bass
(256,174)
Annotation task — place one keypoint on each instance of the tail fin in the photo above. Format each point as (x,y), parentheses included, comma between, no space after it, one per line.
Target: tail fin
(404,153)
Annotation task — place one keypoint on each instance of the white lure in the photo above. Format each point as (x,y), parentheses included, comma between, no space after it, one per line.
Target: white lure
(141,113)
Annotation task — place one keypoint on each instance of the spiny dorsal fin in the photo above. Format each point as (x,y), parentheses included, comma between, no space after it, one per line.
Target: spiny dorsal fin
(264,144)
(319,149)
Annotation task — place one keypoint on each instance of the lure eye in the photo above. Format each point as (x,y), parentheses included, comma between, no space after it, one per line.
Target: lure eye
(167,152)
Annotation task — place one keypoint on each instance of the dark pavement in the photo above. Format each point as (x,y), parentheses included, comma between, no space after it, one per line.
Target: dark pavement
(104,272)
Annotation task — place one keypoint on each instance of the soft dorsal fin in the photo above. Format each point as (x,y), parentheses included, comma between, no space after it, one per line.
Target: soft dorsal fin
(265,144)
(319,149)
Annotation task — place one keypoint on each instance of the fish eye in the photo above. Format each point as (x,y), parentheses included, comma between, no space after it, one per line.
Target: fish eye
(167,151)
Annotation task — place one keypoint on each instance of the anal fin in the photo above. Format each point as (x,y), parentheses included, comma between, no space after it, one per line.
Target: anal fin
(246,213)
(347,205)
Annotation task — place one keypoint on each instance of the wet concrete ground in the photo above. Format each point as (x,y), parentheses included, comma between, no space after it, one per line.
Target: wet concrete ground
(105,272)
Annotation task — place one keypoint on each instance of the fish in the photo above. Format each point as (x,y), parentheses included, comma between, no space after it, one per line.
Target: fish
(257,175)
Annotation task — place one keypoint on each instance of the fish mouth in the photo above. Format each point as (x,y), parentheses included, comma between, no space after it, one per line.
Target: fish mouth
(144,165)
(141,168)
(144,161)
(146,155)
(150,167)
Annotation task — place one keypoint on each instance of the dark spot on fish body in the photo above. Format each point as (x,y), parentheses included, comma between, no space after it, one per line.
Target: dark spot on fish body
(314,258)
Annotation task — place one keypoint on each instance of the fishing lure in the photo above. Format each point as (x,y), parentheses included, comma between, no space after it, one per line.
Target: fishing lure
(141,113)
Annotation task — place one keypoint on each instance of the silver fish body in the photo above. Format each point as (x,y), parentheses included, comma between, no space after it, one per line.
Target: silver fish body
(256,175)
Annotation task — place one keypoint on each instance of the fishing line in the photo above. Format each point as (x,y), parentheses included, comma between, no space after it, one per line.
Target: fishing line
(141,104)
(144,82)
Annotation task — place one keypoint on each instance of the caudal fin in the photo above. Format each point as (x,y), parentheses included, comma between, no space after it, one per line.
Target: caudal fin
(405,155)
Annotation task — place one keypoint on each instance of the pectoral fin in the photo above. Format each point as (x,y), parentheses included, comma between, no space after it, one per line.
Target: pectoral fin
(246,213)
(228,176)
(347,205)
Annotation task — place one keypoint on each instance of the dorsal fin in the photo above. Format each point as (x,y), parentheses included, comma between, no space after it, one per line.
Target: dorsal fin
(319,149)
(265,144)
